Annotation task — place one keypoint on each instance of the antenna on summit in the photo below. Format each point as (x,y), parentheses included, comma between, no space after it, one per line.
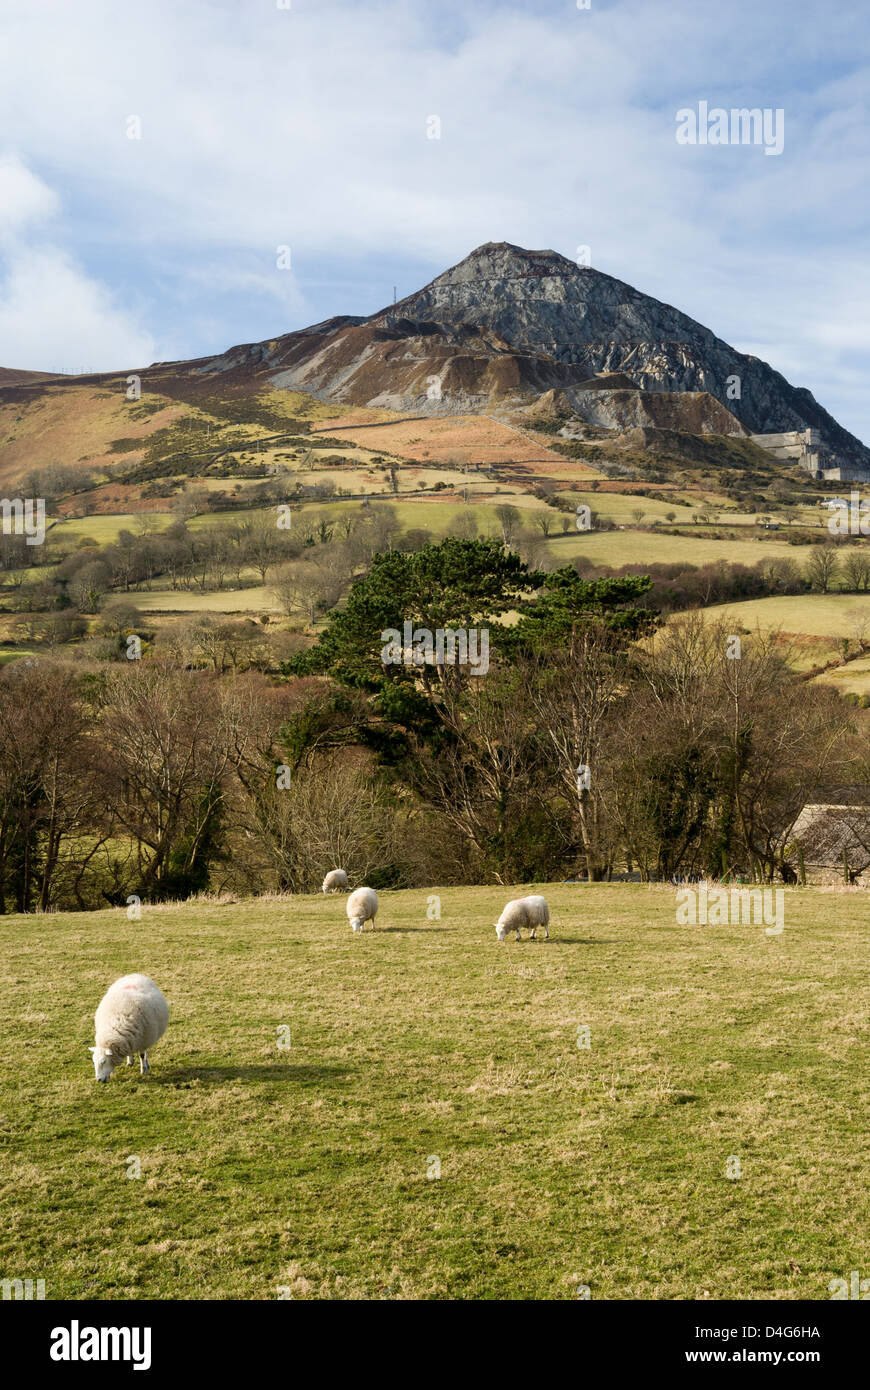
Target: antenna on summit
(394,294)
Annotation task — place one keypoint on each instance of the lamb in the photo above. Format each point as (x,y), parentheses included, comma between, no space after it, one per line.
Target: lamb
(335,881)
(530,912)
(131,1016)
(362,907)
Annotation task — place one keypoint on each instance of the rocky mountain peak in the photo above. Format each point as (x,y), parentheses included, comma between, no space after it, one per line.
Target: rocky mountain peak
(506,324)
(501,260)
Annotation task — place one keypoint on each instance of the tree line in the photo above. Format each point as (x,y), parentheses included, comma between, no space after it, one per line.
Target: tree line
(597,742)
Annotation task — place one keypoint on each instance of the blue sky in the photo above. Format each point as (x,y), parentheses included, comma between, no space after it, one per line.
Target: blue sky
(307,127)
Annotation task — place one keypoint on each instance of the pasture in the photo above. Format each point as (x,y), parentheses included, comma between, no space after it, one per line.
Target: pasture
(817,615)
(636,547)
(313,1083)
(259,598)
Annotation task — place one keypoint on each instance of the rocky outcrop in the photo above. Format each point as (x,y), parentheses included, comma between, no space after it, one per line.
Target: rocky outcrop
(694,411)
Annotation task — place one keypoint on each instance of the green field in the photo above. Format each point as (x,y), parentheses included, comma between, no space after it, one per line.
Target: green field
(104,529)
(311,1169)
(647,547)
(258,599)
(818,615)
(851,679)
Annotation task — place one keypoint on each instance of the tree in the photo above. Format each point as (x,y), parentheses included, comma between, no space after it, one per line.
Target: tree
(575,689)
(454,584)
(508,518)
(311,586)
(165,752)
(87,586)
(48,795)
(466,525)
(822,568)
(264,544)
(856,569)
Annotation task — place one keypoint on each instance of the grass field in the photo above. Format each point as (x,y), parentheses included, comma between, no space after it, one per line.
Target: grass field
(104,529)
(258,599)
(819,615)
(310,1168)
(852,679)
(646,547)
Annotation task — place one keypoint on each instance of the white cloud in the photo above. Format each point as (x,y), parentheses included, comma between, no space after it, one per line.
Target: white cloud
(24,198)
(53,317)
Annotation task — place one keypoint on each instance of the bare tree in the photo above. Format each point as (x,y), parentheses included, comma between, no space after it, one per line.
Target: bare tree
(822,567)
(856,569)
(508,519)
(576,692)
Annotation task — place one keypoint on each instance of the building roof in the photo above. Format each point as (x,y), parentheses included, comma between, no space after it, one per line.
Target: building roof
(825,832)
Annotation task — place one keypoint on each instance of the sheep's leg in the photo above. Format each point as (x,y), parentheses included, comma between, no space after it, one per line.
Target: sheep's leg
(546,931)
(129,1060)
(143,1064)
(518,933)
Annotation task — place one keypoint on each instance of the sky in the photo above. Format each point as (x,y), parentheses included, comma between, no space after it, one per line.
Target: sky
(156,158)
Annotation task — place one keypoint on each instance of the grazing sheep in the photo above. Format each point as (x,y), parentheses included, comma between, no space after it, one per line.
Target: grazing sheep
(524,912)
(131,1016)
(362,907)
(335,881)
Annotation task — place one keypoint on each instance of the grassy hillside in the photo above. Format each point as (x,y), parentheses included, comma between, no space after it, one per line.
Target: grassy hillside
(305,1168)
(821,615)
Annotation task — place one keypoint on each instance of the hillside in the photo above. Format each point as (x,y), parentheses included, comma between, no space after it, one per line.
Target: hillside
(508,323)
(505,328)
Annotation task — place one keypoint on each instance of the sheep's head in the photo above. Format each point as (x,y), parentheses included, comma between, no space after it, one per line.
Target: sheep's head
(501,930)
(357,923)
(103,1064)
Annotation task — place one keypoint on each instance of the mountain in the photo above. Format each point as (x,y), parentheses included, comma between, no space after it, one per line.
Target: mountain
(508,327)
(509,324)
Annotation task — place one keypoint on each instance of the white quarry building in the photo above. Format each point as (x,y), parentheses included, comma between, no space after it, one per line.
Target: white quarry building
(805,447)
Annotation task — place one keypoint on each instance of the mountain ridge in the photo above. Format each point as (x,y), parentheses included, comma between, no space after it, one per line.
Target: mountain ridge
(475,336)
(506,325)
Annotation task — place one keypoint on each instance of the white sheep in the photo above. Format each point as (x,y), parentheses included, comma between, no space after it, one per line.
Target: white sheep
(131,1016)
(335,881)
(530,912)
(362,907)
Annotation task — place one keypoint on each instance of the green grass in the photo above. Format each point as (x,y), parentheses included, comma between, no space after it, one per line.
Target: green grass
(851,679)
(818,615)
(306,1168)
(647,547)
(105,528)
(259,598)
